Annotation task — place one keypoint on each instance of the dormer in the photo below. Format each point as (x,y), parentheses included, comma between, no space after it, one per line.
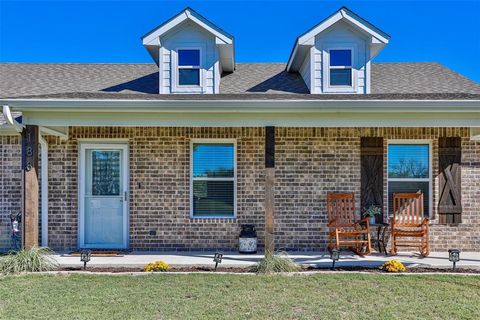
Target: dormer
(335,55)
(191,54)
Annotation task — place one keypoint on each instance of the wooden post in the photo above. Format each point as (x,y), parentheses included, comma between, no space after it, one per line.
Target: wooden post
(30,186)
(269,190)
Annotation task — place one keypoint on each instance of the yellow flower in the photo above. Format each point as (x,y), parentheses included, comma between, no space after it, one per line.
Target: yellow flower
(156,266)
(393,266)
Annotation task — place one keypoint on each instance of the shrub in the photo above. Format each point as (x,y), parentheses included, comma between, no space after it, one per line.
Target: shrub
(393,266)
(28,260)
(278,262)
(157,266)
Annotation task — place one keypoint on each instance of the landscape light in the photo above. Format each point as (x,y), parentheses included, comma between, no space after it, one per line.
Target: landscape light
(454,256)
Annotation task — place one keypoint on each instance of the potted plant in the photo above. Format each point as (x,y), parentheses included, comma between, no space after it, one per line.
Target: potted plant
(372,212)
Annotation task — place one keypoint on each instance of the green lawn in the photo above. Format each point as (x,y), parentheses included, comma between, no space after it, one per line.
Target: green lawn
(198,296)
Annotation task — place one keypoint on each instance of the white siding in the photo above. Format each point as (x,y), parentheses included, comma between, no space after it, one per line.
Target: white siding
(340,35)
(305,71)
(317,70)
(188,35)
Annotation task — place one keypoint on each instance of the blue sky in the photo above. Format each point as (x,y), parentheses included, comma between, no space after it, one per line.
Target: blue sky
(109,31)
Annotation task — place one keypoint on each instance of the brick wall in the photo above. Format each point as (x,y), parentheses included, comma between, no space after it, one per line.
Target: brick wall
(159,187)
(10,186)
(309,163)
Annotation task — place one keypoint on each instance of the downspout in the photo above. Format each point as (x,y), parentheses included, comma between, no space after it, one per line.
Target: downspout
(44,188)
(10,120)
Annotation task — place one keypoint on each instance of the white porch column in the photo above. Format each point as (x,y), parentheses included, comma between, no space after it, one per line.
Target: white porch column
(44,188)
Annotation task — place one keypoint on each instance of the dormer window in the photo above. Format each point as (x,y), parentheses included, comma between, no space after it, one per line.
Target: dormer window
(189,67)
(340,68)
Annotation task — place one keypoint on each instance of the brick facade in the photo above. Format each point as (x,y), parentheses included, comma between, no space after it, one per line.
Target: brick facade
(309,163)
(10,186)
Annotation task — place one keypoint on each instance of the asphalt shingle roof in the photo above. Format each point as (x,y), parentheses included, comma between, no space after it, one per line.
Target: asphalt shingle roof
(260,80)
(396,81)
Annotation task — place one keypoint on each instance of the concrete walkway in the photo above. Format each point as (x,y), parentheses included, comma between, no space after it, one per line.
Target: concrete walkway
(233,259)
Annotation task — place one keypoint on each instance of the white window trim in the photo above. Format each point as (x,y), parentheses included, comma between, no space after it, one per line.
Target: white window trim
(97,144)
(326,70)
(199,67)
(234,179)
(175,85)
(430,169)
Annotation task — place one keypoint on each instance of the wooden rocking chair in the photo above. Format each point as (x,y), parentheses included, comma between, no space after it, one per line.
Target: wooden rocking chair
(408,222)
(344,229)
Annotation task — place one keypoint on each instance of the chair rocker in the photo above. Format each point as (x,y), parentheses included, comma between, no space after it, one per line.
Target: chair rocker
(344,229)
(409,227)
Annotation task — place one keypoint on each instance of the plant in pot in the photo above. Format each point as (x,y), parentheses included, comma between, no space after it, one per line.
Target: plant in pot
(372,212)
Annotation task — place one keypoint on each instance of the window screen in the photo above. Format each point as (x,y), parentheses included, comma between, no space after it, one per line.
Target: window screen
(341,67)
(409,171)
(213,180)
(189,67)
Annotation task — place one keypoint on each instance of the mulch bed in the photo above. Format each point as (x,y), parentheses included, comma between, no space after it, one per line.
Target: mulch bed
(245,270)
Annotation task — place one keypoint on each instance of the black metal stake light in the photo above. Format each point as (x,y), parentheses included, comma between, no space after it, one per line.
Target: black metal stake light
(454,256)
(85,257)
(217,258)
(335,256)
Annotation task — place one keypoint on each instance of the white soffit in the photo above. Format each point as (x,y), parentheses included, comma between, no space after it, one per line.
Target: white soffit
(378,38)
(225,41)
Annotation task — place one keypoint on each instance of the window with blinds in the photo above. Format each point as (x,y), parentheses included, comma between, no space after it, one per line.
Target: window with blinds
(409,171)
(213,180)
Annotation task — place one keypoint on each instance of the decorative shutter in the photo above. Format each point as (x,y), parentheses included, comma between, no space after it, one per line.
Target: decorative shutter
(450,156)
(371,153)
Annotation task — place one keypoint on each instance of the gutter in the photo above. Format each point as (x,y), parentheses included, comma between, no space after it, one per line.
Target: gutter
(243,106)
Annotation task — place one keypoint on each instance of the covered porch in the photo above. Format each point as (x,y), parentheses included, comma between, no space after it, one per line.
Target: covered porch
(281,178)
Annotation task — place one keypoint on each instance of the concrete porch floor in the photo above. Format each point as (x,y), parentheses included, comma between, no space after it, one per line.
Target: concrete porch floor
(234,259)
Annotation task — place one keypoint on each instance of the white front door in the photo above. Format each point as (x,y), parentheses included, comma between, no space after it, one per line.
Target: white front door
(103,205)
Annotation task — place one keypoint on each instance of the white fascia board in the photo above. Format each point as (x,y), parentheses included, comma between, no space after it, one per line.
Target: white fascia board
(206,26)
(219,119)
(292,56)
(187,14)
(239,106)
(353,19)
(307,37)
(164,28)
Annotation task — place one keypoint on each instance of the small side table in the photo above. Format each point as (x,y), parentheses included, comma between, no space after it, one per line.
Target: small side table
(382,236)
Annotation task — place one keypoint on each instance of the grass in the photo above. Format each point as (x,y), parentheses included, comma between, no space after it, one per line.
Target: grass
(209,296)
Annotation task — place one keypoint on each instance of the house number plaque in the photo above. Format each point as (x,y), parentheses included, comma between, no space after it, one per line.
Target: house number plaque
(29,147)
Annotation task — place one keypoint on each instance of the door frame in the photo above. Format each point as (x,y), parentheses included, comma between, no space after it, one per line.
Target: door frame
(81,190)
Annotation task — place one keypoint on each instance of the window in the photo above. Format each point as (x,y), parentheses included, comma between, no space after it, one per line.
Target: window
(188,67)
(213,179)
(340,67)
(409,170)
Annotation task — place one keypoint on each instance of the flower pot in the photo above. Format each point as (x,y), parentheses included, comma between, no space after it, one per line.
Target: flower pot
(372,220)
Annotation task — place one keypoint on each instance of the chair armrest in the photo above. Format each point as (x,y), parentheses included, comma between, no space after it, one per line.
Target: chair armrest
(332,221)
(364,221)
(425,222)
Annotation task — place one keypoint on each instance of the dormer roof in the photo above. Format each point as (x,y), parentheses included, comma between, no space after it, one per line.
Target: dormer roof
(378,38)
(225,41)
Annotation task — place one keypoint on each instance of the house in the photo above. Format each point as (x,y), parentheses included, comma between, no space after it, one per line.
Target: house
(179,153)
